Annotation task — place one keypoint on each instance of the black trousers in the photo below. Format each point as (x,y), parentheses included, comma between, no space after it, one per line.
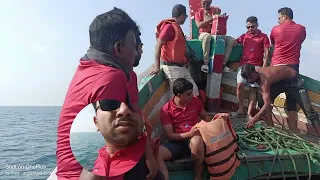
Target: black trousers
(295,89)
(291,102)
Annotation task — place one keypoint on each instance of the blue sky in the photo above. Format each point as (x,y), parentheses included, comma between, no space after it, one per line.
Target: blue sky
(43,40)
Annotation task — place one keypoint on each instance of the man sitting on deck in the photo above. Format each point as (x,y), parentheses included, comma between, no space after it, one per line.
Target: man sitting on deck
(204,19)
(276,80)
(256,52)
(178,117)
(171,48)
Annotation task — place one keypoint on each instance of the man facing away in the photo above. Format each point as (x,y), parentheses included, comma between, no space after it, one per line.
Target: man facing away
(256,52)
(178,118)
(171,48)
(204,18)
(103,73)
(122,158)
(287,39)
(276,80)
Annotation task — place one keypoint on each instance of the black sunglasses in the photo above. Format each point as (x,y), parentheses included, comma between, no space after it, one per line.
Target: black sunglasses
(248,27)
(109,105)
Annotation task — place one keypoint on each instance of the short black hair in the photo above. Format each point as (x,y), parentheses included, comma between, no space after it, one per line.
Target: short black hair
(286,11)
(252,19)
(247,70)
(181,85)
(110,27)
(138,39)
(179,10)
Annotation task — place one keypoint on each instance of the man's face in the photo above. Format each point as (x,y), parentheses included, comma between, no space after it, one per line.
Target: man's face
(186,96)
(281,18)
(253,78)
(206,4)
(138,57)
(252,27)
(120,126)
(126,51)
(182,19)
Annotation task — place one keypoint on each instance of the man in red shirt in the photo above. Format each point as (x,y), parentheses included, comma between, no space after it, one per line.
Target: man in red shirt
(121,158)
(256,52)
(103,73)
(204,19)
(178,117)
(287,39)
(171,48)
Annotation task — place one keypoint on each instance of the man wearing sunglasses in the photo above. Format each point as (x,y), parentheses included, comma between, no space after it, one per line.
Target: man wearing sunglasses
(178,118)
(103,73)
(287,39)
(256,52)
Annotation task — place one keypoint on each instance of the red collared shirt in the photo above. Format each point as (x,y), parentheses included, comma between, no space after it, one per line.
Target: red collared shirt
(121,162)
(253,48)
(199,16)
(287,39)
(181,118)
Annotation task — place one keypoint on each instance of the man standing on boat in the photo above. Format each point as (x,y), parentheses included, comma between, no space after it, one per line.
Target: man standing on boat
(204,18)
(178,118)
(287,39)
(103,73)
(256,52)
(274,80)
(171,48)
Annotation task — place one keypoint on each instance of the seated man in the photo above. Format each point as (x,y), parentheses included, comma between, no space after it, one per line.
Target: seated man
(204,19)
(276,80)
(178,117)
(123,156)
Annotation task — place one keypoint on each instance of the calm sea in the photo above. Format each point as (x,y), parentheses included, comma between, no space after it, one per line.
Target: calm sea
(85,146)
(28,142)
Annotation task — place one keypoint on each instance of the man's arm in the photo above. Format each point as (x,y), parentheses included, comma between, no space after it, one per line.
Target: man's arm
(168,131)
(272,37)
(203,23)
(159,45)
(265,91)
(266,54)
(204,115)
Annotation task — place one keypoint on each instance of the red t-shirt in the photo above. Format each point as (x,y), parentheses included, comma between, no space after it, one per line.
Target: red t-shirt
(91,82)
(253,48)
(167,33)
(287,39)
(181,118)
(121,162)
(199,16)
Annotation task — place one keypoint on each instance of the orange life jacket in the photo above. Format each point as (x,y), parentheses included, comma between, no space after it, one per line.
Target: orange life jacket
(173,51)
(221,146)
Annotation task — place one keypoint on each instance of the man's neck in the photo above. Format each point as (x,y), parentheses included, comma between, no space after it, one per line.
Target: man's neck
(178,102)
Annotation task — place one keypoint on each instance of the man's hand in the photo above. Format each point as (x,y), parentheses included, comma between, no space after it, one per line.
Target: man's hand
(154,71)
(153,168)
(194,131)
(252,121)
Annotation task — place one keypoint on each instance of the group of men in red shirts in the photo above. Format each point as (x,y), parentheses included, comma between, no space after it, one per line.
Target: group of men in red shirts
(105,77)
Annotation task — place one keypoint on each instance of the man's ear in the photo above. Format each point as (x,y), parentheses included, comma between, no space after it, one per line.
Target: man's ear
(95,121)
(117,49)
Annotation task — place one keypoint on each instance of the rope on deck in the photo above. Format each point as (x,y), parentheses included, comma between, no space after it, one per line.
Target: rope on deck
(262,139)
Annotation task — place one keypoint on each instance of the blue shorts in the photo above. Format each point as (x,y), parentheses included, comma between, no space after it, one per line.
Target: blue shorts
(178,149)
(240,79)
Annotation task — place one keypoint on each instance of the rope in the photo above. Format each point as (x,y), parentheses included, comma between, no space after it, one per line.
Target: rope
(273,139)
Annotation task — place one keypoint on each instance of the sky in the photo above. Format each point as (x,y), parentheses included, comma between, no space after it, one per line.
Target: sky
(43,40)
(84,120)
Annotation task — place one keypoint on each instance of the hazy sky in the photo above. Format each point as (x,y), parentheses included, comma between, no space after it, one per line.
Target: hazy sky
(43,40)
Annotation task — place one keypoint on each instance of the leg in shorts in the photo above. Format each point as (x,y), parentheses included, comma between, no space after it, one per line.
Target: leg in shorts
(178,149)
(174,72)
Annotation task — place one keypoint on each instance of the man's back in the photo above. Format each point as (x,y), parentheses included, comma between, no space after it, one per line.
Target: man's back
(272,75)
(287,39)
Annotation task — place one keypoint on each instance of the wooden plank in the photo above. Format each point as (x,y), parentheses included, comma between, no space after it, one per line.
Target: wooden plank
(233,90)
(281,102)
(213,85)
(154,99)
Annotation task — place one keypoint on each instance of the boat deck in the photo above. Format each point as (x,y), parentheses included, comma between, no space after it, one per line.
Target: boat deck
(256,164)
